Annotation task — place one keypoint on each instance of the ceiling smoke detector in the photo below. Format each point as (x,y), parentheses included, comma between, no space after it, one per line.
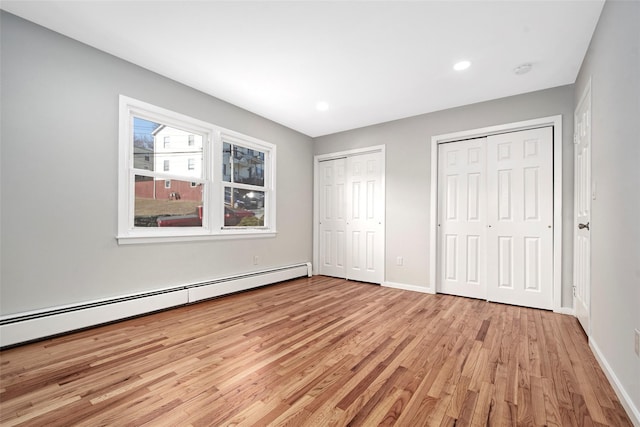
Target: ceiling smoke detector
(523,69)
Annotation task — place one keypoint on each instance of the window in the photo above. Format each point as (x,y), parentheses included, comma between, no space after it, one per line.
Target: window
(209,182)
(243,176)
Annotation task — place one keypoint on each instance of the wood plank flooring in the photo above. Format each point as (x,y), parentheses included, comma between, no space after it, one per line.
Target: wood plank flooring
(315,352)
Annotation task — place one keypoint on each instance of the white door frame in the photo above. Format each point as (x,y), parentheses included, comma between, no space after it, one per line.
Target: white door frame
(316,197)
(556,122)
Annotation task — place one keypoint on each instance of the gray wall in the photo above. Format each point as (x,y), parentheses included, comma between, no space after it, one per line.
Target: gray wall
(408,164)
(59,164)
(613,64)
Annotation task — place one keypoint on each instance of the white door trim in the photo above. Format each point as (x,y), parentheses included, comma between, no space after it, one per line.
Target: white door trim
(556,122)
(316,196)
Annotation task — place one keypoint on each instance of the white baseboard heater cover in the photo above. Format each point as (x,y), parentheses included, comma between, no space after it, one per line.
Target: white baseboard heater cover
(24,327)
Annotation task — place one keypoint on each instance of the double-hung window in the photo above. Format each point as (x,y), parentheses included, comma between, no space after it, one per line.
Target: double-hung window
(194,181)
(244,180)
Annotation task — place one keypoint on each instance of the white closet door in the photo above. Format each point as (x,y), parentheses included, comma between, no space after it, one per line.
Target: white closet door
(332,227)
(462,218)
(351,212)
(365,215)
(520,218)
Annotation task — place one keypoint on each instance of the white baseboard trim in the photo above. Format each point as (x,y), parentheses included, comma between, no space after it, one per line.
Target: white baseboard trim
(249,281)
(58,321)
(625,399)
(406,287)
(29,326)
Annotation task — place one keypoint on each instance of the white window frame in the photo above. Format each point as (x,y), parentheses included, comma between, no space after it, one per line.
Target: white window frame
(246,143)
(213,186)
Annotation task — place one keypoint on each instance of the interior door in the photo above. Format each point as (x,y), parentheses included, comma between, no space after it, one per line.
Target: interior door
(332,227)
(582,211)
(520,218)
(462,218)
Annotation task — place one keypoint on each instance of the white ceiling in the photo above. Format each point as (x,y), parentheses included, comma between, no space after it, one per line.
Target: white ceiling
(371,61)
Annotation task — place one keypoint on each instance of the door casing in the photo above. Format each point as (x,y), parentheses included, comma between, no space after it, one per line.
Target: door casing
(556,122)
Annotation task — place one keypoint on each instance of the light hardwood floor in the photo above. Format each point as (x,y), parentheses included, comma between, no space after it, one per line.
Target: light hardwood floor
(318,351)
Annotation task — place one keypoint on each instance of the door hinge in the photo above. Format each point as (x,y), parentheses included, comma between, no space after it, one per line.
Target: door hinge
(574,290)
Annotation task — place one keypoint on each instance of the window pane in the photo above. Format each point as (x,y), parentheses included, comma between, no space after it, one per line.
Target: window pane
(243,208)
(226,162)
(143,143)
(157,147)
(248,166)
(164,203)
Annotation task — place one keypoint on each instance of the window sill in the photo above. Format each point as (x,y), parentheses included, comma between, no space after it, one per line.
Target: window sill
(234,234)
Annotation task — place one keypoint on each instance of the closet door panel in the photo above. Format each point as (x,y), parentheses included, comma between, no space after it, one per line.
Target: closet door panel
(332,232)
(365,219)
(461,218)
(520,217)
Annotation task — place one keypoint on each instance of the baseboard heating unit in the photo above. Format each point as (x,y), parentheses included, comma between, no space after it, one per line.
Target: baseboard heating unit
(24,327)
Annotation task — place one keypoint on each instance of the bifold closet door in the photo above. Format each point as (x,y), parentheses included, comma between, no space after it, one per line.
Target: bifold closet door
(351,207)
(333,223)
(495,218)
(462,218)
(520,218)
(365,242)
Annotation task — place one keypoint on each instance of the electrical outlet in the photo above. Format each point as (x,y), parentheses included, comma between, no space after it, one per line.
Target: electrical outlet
(399,261)
(256,260)
(637,344)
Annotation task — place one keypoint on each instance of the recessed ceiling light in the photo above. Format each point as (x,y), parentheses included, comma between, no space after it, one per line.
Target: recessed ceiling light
(322,106)
(523,68)
(462,65)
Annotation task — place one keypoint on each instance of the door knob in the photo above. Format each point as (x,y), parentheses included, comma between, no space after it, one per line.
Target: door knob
(581,226)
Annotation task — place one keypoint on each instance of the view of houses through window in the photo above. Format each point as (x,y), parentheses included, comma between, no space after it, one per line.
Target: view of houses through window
(160,199)
(170,179)
(243,175)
